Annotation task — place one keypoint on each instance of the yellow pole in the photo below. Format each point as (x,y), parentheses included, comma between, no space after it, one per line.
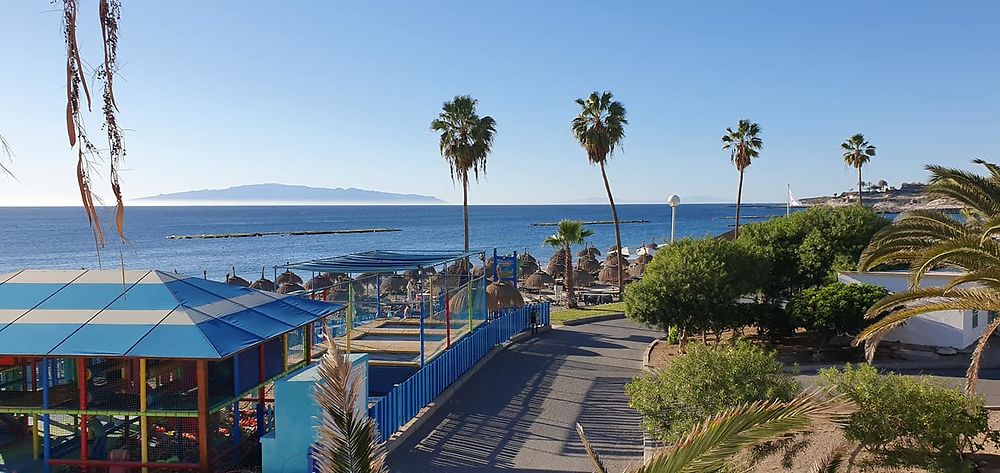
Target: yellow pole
(284,355)
(143,423)
(36,448)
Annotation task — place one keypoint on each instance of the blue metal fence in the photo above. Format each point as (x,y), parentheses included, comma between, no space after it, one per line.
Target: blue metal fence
(405,400)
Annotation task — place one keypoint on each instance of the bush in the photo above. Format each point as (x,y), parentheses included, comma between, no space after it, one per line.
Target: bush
(909,414)
(694,285)
(836,308)
(705,382)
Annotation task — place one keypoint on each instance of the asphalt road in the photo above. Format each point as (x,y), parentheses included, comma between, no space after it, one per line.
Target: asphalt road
(518,412)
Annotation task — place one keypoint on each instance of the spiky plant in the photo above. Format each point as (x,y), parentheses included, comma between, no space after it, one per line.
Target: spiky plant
(348,441)
(466,141)
(569,233)
(600,128)
(744,145)
(714,444)
(857,153)
(926,240)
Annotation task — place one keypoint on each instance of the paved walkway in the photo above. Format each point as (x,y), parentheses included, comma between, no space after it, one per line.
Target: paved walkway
(518,412)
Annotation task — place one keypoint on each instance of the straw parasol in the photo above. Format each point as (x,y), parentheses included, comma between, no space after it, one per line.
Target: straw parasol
(643,259)
(287,277)
(263,283)
(335,277)
(501,295)
(317,283)
(527,268)
(539,280)
(411,274)
(288,288)
(394,284)
(235,280)
(616,260)
(459,267)
(557,264)
(526,258)
(582,278)
(637,269)
(589,251)
(589,264)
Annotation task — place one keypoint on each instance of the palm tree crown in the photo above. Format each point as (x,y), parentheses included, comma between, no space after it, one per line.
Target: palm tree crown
(857,153)
(744,143)
(600,126)
(466,139)
(926,240)
(569,233)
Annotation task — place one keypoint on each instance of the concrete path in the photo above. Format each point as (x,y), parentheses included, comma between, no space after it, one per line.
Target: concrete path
(518,412)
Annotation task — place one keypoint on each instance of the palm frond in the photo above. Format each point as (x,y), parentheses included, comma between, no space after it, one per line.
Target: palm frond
(348,441)
(595,459)
(972,374)
(831,460)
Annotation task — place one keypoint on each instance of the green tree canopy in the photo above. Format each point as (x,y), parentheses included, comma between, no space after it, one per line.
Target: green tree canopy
(694,284)
(835,308)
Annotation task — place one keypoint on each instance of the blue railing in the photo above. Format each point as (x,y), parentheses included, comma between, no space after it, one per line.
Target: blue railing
(405,400)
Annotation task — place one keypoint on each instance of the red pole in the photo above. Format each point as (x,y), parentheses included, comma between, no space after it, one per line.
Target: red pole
(447,318)
(81,381)
(260,395)
(202,376)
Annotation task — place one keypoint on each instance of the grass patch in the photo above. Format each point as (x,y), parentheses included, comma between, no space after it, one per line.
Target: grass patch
(561,316)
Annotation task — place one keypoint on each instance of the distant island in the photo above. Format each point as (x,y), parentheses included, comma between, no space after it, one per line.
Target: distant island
(282,194)
(908,196)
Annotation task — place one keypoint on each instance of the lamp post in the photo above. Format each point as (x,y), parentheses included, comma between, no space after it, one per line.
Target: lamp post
(674,201)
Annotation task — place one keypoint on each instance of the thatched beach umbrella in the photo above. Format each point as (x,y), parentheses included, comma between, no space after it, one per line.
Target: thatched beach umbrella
(459,267)
(263,283)
(582,278)
(589,264)
(589,251)
(317,283)
(637,270)
(335,277)
(394,284)
(526,258)
(289,288)
(411,274)
(609,274)
(539,280)
(287,277)
(616,260)
(234,280)
(643,259)
(501,295)
(557,264)
(527,268)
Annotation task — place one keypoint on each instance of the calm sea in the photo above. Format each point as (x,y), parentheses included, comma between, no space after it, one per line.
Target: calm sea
(59,238)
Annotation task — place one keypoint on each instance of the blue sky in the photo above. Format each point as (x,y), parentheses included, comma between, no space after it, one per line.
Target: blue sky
(223,93)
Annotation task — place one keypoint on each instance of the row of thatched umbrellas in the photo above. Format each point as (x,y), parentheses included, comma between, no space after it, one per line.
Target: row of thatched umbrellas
(588,268)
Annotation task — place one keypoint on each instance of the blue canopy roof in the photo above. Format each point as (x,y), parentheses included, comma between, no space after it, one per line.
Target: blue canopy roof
(149,314)
(381,261)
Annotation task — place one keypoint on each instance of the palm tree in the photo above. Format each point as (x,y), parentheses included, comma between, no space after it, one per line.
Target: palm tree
(569,233)
(715,444)
(857,152)
(926,240)
(744,144)
(347,441)
(599,128)
(466,141)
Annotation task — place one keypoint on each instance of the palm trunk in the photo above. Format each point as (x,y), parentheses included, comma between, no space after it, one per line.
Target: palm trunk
(859,188)
(739,200)
(568,280)
(618,233)
(465,209)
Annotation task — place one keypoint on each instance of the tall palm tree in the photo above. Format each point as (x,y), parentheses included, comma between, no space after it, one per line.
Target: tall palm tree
(600,128)
(857,152)
(744,144)
(569,233)
(926,240)
(466,141)
(714,445)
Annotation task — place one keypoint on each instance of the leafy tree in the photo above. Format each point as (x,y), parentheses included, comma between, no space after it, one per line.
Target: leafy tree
(857,152)
(926,240)
(694,284)
(835,308)
(744,144)
(705,382)
(466,141)
(569,233)
(806,248)
(600,128)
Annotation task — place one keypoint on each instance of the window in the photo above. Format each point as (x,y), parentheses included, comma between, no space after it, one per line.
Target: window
(975,318)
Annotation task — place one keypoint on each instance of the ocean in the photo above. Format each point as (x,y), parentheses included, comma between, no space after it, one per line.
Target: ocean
(59,238)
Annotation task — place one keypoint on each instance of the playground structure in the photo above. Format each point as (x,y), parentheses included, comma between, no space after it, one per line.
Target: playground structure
(141,369)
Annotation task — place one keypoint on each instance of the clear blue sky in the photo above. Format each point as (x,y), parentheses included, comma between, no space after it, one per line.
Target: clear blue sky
(326,93)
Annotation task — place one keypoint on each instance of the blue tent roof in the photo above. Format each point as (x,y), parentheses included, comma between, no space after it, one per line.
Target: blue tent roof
(381,261)
(149,314)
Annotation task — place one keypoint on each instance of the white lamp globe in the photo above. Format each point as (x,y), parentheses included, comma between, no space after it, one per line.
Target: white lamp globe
(674,200)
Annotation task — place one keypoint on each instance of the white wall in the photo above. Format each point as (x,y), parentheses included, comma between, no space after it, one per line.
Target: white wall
(951,328)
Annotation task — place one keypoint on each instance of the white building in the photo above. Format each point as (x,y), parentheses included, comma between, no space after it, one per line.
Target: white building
(950,328)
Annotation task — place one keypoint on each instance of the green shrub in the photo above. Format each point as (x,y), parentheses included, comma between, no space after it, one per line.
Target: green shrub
(673,335)
(836,308)
(704,382)
(910,414)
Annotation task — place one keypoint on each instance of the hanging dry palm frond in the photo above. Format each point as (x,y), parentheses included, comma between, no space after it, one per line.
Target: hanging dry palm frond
(348,441)
(110,14)
(6,154)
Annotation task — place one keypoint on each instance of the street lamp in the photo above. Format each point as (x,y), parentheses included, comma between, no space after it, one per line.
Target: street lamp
(674,201)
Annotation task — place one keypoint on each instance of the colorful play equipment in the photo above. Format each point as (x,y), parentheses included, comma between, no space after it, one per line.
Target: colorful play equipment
(130,370)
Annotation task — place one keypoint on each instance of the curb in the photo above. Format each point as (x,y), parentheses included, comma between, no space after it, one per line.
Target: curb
(646,365)
(414,424)
(594,318)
